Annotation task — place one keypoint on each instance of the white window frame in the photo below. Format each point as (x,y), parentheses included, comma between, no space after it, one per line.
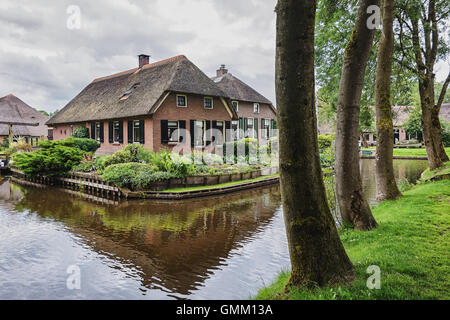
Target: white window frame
(235,129)
(177,128)
(237,105)
(212,103)
(185,100)
(222,125)
(97,131)
(134,130)
(204,133)
(266,129)
(114,131)
(257,108)
(252,135)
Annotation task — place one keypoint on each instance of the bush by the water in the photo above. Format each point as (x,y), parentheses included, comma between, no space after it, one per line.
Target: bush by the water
(135,176)
(53,160)
(81,132)
(87,145)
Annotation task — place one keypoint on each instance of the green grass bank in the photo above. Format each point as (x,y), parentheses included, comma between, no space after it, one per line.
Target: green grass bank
(409,152)
(411,247)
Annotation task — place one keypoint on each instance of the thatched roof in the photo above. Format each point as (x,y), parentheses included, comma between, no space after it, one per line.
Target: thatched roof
(238,90)
(13,110)
(400,115)
(136,92)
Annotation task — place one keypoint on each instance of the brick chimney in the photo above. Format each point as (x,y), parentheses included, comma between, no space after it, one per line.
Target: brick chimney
(143,60)
(222,71)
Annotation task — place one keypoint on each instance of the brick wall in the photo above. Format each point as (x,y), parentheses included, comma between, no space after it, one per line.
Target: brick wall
(194,111)
(245,110)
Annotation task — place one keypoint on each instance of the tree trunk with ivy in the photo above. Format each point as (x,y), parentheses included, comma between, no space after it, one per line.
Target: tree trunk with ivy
(385,179)
(317,254)
(353,204)
(437,129)
(419,23)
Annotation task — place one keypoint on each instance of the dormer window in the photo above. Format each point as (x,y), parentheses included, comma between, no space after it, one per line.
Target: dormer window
(256,108)
(181,101)
(208,102)
(129,91)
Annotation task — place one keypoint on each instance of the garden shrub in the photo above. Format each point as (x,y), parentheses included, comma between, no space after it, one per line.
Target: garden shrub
(327,159)
(4,144)
(81,132)
(86,165)
(18,147)
(53,160)
(87,145)
(135,176)
(243,146)
(404,185)
(325,141)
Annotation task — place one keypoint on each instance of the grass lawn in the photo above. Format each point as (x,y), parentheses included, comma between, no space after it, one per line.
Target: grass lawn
(409,152)
(411,247)
(445,169)
(227,184)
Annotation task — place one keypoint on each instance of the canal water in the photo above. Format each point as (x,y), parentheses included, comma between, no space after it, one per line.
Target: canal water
(212,248)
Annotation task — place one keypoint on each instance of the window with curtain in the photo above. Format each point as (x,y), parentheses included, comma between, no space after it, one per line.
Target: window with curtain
(172,126)
(136,131)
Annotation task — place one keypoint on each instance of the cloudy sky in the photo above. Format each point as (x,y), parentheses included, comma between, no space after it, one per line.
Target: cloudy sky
(45,59)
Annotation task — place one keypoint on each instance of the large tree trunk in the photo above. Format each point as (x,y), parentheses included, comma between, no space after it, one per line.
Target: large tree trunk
(437,129)
(352,202)
(425,61)
(432,138)
(316,251)
(385,179)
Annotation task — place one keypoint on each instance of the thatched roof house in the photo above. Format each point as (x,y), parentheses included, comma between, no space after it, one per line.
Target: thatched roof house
(147,105)
(237,89)
(13,110)
(254,110)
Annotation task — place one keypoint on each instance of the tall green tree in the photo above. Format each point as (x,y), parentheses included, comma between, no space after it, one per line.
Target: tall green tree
(335,21)
(353,204)
(421,46)
(385,179)
(316,251)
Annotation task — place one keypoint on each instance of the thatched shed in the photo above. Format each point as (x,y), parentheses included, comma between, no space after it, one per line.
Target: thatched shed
(13,111)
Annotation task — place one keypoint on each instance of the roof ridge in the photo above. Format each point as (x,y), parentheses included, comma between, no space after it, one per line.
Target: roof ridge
(150,65)
(251,88)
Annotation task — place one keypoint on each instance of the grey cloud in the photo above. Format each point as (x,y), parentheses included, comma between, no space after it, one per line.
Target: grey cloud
(47,64)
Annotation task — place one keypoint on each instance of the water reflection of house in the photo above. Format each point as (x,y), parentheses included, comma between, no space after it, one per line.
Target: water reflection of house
(15,110)
(8,192)
(174,245)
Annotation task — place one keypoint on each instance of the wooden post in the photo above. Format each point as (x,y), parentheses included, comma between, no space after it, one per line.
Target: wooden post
(10,134)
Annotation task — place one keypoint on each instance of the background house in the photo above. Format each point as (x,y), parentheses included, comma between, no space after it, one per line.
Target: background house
(400,115)
(257,115)
(15,110)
